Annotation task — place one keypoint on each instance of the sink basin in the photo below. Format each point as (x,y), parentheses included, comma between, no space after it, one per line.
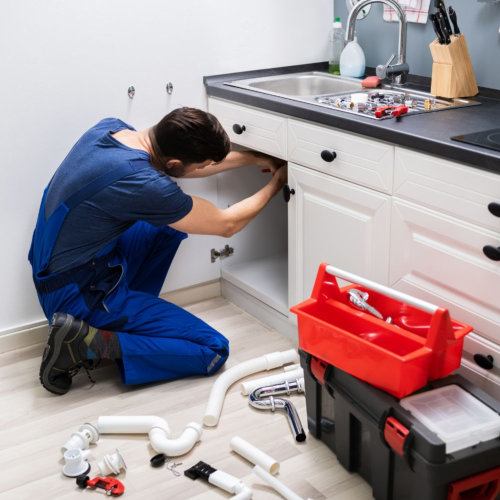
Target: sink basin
(300,84)
(345,94)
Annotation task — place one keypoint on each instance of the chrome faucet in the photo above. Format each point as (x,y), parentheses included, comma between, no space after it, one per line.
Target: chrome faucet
(398,71)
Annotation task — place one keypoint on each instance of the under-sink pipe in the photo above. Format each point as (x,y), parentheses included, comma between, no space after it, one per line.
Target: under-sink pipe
(231,375)
(283,490)
(287,376)
(263,399)
(157,429)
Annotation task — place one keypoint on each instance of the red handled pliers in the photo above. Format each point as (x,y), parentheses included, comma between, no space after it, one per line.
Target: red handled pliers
(398,110)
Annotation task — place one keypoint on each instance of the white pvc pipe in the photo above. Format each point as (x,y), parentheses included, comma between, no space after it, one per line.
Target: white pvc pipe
(254,455)
(231,484)
(226,379)
(158,430)
(287,376)
(283,490)
(131,425)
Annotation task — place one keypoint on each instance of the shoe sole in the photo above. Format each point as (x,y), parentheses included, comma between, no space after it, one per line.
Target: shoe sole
(51,353)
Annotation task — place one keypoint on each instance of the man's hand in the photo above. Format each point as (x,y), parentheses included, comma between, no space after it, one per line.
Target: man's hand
(281,175)
(265,161)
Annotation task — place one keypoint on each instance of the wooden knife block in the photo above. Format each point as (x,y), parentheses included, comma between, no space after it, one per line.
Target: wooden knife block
(452,71)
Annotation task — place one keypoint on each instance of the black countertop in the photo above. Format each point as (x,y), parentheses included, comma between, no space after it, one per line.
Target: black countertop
(427,132)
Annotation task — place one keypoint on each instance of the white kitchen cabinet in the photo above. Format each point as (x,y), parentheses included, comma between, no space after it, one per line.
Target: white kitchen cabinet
(439,225)
(405,219)
(334,221)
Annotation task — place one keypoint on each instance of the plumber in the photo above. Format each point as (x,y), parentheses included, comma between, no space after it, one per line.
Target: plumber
(109,225)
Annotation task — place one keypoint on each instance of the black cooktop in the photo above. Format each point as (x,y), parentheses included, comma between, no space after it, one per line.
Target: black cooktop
(487,138)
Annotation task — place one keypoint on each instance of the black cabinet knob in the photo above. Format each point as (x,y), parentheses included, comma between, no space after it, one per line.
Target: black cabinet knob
(328,155)
(287,192)
(492,252)
(484,361)
(494,208)
(238,129)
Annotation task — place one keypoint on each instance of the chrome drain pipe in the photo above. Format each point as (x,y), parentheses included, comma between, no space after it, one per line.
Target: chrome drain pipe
(263,399)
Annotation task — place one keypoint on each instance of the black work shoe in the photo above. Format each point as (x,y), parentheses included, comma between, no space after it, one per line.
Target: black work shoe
(64,354)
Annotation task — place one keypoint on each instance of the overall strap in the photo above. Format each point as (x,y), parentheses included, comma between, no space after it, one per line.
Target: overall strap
(43,242)
(99,183)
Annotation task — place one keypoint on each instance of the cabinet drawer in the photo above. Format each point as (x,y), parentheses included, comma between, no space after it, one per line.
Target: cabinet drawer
(262,131)
(359,160)
(455,189)
(440,259)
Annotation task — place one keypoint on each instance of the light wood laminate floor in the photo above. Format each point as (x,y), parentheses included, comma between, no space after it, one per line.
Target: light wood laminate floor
(35,424)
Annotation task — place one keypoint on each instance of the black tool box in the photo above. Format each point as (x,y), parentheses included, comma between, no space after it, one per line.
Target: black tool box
(373,435)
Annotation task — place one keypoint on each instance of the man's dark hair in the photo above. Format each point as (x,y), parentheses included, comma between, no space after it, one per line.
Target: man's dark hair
(189,135)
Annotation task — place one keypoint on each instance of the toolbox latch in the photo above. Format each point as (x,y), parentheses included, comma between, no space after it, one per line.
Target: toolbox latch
(482,486)
(318,368)
(395,435)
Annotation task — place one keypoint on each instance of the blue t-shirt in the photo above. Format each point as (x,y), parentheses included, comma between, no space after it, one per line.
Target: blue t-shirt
(146,195)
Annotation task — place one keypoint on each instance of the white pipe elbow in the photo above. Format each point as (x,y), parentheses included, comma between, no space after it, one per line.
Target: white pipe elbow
(161,443)
(226,379)
(231,484)
(245,494)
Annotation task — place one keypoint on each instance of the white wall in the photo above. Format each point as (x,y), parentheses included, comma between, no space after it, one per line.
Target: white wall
(65,64)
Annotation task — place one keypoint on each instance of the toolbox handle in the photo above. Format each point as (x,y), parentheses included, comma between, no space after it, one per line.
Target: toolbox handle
(377,287)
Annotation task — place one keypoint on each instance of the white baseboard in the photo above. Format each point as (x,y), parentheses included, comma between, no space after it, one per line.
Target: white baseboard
(195,293)
(260,311)
(25,336)
(36,333)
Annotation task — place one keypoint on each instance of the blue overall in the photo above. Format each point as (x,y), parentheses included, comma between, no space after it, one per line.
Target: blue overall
(118,291)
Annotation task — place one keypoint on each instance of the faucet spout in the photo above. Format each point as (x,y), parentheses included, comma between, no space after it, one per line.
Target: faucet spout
(399,69)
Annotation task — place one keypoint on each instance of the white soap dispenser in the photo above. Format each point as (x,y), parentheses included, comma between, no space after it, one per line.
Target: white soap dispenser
(352,60)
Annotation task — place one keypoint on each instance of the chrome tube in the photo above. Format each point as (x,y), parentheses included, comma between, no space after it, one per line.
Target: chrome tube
(263,399)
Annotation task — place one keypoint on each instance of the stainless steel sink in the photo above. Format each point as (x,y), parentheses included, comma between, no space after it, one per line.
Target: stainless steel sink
(347,95)
(300,84)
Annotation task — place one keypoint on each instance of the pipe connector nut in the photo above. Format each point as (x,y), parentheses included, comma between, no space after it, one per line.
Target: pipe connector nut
(87,434)
(112,464)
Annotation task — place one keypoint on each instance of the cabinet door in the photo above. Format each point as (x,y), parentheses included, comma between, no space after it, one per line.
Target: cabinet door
(249,127)
(440,259)
(333,221)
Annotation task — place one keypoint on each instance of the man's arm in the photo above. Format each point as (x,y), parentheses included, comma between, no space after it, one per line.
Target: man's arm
(237,159)
(206,218)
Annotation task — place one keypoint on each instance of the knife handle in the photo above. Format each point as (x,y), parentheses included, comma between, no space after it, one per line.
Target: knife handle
(437,29)
(453,17)
(442,25)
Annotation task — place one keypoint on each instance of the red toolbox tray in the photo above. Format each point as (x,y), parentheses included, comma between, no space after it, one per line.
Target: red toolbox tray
(421,343)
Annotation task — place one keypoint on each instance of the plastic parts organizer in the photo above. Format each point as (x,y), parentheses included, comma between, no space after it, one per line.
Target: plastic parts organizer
(421,342)
(457,417)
